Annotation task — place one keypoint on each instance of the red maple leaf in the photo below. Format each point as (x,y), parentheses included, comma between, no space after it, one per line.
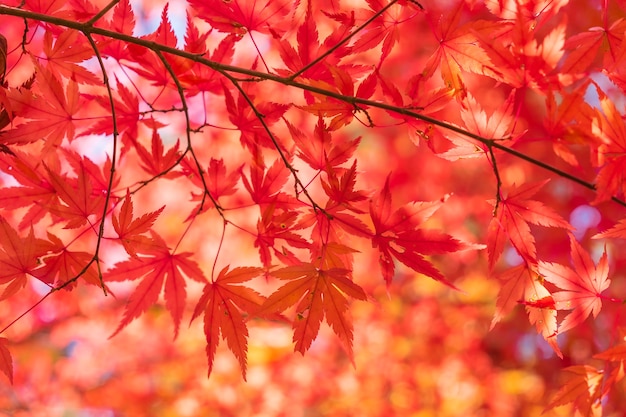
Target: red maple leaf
(49,114)
(385,28)
(121,21)
(265,186)
(583,47)
(130,231)
(397,236)
(67,52)
(61,265)
(202,78)
(126,117)
(309,48)
(582,387)
(498,126)
(319,292)
(521,284)
(34,192)
(515,212)
(320,151)
(156,161)
(277,224)
(617,231)
(242,16)
(342,112)
(581,286)
(223,303)
(19,256)
(253,133)
(6,362)
(459,50)
(77,199)
(158,267)
(149,65)
(611,129)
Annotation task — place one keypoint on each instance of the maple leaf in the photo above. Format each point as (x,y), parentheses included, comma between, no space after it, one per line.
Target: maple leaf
(265,186)
(253,133)
(569,121)
(321,151)
(581,286)
(309,48)
(340,111)
(156,161)
(582,387)
(223,301)
(521,284)
(397,236)
(202,78)
(615,353)
(458,50)
(584,46)
(319,293)
(277,225)
(428,100)
(49,115)
(48,7)
(63,57)
(497,126)
(331,224)
(385,28)
(122,20)
(62,265)
(77,199)
(35,191)
(149,65)
(242,16)
(100,175)
(339,188)
(611,129)
(515,212)
(6,362)
(130,230)
(218,183)
(214,180)
(159,268)
(126,116)
(18,257)
(617,231)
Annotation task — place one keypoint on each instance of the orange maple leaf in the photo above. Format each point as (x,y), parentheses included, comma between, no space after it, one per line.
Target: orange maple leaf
(319,293)
(222,303)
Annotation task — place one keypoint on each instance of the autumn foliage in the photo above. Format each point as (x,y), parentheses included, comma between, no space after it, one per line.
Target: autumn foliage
(427,200)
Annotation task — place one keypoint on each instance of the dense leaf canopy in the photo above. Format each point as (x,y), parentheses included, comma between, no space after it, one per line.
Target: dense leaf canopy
(427,200)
